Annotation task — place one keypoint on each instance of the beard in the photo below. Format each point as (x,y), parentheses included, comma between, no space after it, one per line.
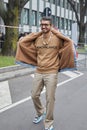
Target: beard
(45,31)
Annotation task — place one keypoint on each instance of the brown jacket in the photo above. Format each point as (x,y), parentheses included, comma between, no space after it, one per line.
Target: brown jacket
(26,51)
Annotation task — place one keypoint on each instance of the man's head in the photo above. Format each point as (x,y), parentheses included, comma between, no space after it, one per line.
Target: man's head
(46,23)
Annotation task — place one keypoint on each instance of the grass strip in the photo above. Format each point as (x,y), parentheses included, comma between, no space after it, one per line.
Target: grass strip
(7,61)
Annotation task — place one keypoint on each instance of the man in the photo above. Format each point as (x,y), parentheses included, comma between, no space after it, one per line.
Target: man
(48,45)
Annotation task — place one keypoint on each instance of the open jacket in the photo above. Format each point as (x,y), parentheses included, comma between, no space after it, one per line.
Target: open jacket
(26,51)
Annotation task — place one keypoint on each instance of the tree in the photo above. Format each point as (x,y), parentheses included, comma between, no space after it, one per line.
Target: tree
(11,14)
(82,23)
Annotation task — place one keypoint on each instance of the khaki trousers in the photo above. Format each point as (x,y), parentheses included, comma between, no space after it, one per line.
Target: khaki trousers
(50,83)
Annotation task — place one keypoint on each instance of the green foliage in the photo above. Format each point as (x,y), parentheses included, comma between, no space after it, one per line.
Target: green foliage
(7,61)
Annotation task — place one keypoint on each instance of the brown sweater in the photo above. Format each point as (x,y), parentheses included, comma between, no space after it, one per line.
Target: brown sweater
(48,55)
(58,54)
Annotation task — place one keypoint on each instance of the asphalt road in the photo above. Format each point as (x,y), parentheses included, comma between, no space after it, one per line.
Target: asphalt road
(17,111)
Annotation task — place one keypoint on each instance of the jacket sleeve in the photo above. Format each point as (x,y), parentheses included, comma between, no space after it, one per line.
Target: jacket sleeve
(26,51)
(66,52)
(61,36)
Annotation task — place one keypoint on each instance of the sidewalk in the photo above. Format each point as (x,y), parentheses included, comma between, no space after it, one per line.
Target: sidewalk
(7,73)
(82,61)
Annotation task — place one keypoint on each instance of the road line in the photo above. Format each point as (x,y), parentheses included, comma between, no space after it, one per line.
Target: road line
(5,98)
(28,98)
(32,75)
(72,74)
(76,76)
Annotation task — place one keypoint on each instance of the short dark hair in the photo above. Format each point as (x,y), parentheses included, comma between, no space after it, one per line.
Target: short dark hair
(47,18)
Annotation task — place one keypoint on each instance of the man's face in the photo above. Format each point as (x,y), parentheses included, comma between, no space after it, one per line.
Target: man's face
(45,26)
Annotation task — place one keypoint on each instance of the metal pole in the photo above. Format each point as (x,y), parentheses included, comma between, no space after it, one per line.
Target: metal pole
(38,15)
(46,12)
(30,15)
(65,16)
(56,1)
(68,17)
(72,20)
(50,3)
(60,16)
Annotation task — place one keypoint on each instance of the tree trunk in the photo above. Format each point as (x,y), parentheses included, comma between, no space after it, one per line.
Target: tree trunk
(11,35)
(81,34)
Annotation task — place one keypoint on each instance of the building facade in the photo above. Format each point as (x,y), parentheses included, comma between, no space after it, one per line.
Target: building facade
(62,15)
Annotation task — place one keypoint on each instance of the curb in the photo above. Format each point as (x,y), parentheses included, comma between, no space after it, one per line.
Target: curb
(10,68)
(11,72)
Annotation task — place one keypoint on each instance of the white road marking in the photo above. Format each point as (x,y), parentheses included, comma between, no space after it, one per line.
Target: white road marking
(72,74)
(32,75)
(5,98)
(59,84)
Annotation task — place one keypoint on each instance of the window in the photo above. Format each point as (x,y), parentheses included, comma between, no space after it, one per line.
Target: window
(25,16)
(62,23)
(58,22)
(78,8)
(62,2)
(70,7)
(66,4)
(66,24)
(53,19)
(69,24)
(58,3)
(40,16)
(47,0)
(34,18)
(53,1)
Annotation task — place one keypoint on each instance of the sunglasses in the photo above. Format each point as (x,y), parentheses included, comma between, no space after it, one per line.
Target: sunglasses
(46,25)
